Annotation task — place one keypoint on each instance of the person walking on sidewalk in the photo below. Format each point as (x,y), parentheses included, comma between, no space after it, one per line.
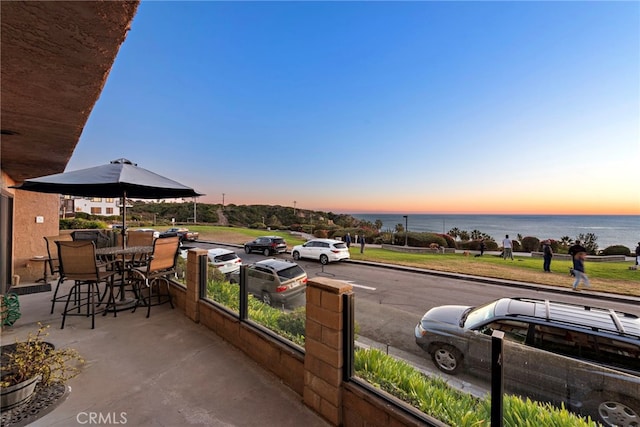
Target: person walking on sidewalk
(547,255)
(362,243)
(508,248)
(638,254)
(579,253)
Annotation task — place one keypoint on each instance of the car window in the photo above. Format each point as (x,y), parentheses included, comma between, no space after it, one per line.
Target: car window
(261,273)
(581,345)
(226,257)
(480,315)
(291,272)
(323,244)
(310,245)
(618,353)
(278,241)
(340,245)
(514,330)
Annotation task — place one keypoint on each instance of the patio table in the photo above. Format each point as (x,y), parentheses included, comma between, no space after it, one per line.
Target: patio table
(117,251)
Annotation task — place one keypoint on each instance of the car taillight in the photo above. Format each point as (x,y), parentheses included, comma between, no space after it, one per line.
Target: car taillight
(335,251)
(304,281)
(239,260)
(281,288)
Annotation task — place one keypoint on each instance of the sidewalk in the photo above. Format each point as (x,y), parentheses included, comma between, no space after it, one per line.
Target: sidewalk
(161,371)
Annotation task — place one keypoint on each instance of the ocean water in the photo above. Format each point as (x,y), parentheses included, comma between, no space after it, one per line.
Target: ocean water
(609,229)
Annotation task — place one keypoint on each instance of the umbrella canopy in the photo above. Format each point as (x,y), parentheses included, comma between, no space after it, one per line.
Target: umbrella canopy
(115,179)
(119,178)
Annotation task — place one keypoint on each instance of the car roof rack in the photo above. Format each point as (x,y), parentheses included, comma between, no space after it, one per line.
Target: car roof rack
(590,318)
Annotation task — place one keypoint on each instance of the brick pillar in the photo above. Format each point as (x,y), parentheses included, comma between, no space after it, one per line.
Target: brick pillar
(191,306)
(323,347)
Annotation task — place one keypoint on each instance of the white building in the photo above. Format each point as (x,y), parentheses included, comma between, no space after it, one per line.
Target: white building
(90,205)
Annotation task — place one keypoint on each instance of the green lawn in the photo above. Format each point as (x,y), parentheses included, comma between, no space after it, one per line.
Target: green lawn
(614,277)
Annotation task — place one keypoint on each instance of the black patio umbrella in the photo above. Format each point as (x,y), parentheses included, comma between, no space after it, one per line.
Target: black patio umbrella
(119,178)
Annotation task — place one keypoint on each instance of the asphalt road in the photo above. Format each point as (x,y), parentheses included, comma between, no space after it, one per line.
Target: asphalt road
(390,302)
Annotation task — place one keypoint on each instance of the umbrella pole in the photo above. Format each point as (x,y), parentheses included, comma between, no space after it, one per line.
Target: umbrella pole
(124,219)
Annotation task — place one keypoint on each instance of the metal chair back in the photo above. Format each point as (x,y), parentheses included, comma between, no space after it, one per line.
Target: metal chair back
(164,256)
(78,260)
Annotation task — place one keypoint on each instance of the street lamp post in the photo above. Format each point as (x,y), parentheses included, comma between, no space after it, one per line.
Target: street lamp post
(406,229)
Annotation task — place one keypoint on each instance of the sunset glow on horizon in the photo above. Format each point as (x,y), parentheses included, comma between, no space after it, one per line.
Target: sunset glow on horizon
(381,107)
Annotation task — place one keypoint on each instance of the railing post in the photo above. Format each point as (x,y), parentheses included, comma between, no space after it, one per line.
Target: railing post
(325,347)
(195,259)
(243,310)
(348,335)
(497,376)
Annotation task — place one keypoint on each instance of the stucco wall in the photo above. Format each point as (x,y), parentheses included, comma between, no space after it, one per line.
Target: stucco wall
(28,235)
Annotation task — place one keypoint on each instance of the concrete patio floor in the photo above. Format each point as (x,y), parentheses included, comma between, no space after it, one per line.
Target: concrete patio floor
(162,371)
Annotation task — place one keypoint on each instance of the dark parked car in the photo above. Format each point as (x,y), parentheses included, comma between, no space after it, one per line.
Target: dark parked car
(276,282)
(181,232)
(586,358)
(267,245)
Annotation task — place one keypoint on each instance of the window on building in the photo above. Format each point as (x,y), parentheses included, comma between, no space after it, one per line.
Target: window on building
(96,199)
(109,211)
(109,200)
(96,211)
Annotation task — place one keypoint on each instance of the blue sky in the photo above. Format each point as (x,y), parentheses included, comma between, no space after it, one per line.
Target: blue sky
(414,107)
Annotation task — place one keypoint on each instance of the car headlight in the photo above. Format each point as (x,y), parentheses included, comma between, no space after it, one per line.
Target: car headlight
(421,330)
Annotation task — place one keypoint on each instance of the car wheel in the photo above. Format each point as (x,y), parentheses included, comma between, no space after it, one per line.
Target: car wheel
(266,298)
(612,409)
(247,249)
(296,255)
(266,252)
(447,358)
(324,260)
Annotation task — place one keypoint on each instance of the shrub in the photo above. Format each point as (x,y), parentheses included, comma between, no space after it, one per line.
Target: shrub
(420,240)
(435,397)
(321,234)
(530,244)
(516,246)
(451,242)
(81,224)
(617,250)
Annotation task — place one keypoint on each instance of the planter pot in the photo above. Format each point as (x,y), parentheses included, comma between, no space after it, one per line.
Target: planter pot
(17,394)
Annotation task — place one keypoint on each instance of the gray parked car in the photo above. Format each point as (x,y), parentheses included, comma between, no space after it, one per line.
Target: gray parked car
(586,358)
(276,282)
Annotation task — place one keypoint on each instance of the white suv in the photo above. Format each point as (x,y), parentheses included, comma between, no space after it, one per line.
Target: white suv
(224,260)
(324,250)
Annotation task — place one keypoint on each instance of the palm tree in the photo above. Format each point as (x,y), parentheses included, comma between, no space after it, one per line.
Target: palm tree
(454,232)
(566,241)
(476,235)
(464,235)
